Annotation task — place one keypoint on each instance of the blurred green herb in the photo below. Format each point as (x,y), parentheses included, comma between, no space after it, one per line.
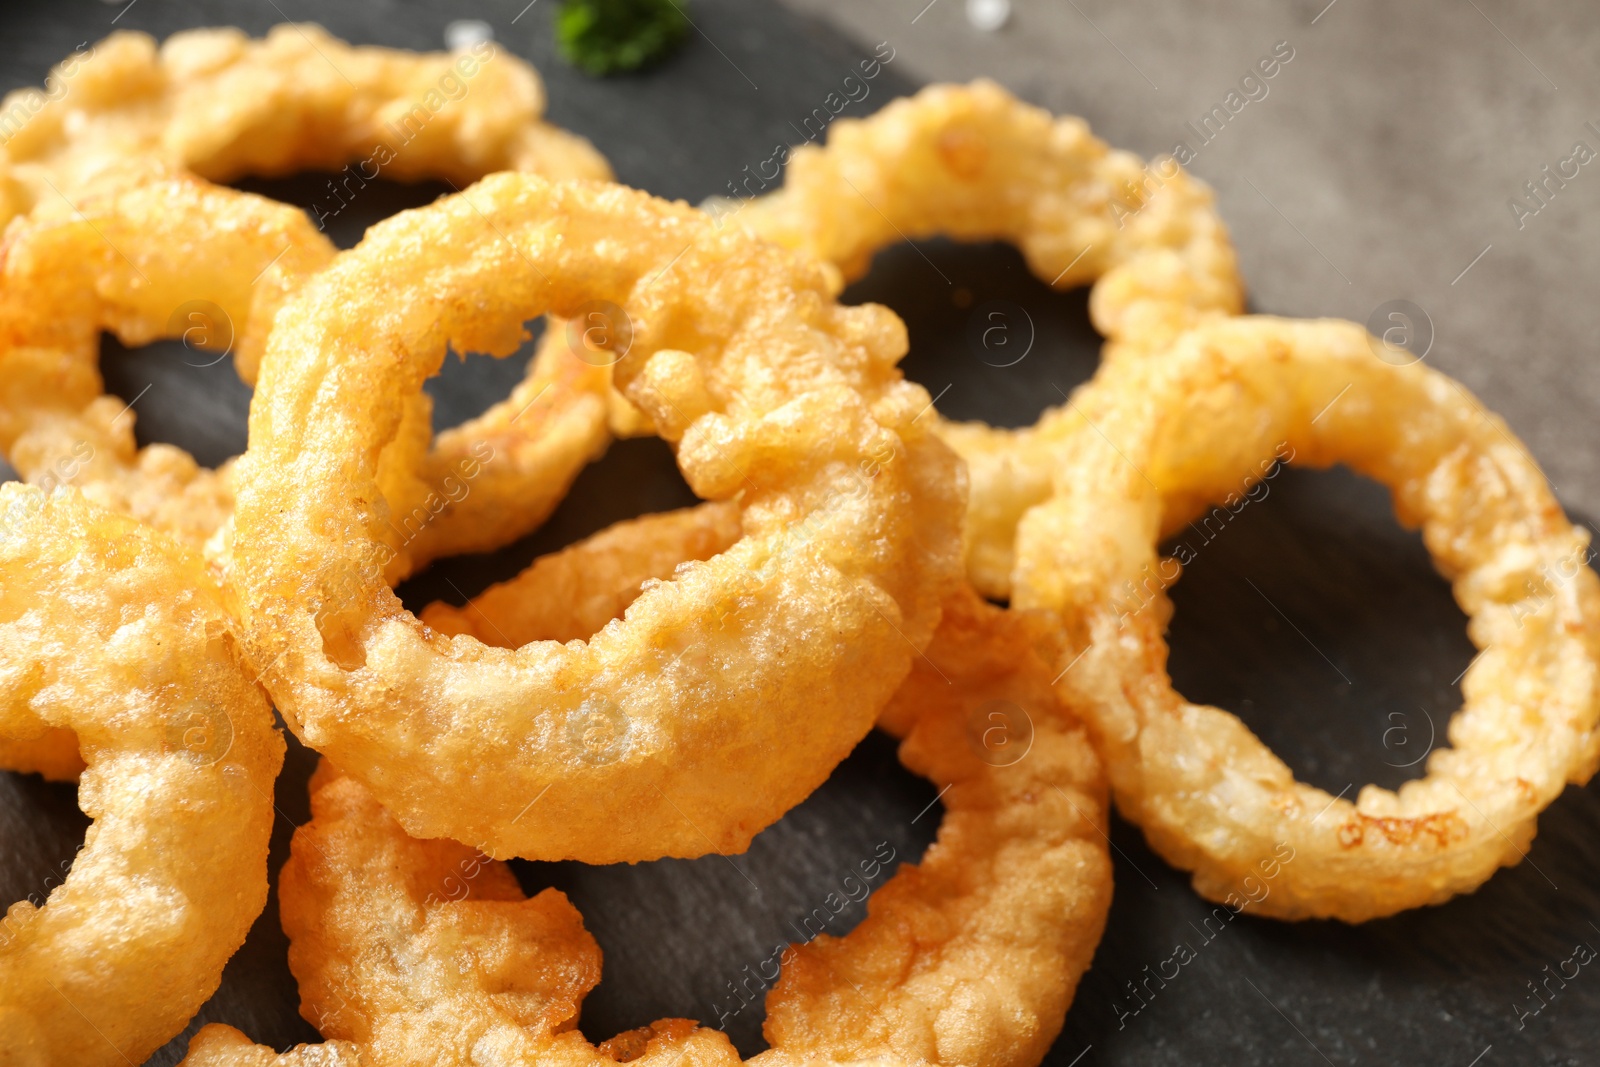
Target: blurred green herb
(611,36)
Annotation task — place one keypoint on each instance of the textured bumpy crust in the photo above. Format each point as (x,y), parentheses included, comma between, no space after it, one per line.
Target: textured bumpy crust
(973,163)
(569,595)
(425,952)
(771,659)
(973,956)
(222,105)
(145,245)
(413,952)
(112,632)
(1199,427)
(130,258)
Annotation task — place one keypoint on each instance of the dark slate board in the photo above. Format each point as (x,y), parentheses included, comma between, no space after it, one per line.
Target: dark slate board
(1355,690)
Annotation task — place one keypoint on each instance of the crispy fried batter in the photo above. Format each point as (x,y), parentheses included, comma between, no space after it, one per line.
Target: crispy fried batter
(112,632)
(415,952)
(973,163)
(425,952)
(569,595)
(849,511)
(46,751)
(1201,426)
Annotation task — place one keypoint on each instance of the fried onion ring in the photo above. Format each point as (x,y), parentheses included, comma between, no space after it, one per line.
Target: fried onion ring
(569,595)
(113,633)
(128,259)
(221,105)
(1202,425)
(130,256)
(971,957)
(973,163)
(849,511)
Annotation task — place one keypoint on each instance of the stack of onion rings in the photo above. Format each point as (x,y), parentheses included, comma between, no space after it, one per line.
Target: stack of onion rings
(970,957)
(951,161)
(674,684)
(113,634)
